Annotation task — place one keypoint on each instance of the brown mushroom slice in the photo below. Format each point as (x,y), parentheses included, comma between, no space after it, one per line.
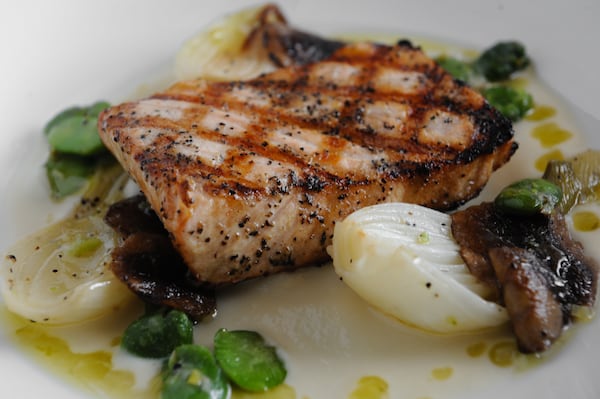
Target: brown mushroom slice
(149,264)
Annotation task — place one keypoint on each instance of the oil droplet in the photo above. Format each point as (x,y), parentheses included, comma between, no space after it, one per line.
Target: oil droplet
(282,391)
(541,112)
(542,162)
(442,373)
(503,354)
(477,349)
(550,134)
(586,221)
(370,387)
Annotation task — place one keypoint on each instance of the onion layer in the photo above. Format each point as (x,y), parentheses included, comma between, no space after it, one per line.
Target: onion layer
(402,259)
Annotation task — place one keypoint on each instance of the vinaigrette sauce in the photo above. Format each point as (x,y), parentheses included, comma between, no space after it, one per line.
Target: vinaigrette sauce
(333,344)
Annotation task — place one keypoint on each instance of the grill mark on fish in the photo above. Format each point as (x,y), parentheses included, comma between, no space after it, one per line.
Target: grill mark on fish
(347,129)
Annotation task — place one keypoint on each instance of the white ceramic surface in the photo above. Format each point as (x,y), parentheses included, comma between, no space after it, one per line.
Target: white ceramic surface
(54,54)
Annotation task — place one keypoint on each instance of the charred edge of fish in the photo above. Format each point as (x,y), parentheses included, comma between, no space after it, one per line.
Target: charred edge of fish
(407,169)
(497,128)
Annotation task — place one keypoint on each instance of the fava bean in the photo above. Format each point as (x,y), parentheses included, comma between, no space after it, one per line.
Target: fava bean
(74,130)
(191,372)
(500,61)
(157,335)
(248,361)
(528,197)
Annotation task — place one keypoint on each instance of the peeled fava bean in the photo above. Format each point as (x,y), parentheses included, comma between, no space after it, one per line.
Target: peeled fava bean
(191,372)
(529,197)
(248,360)
(157,335)
(74,131)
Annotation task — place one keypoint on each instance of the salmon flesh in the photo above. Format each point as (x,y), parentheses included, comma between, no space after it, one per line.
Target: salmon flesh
(250,177)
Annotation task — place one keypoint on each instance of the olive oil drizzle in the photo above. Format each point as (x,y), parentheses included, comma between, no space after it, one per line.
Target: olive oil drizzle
(92,372)
(550,134)
(442,373)
(370,387)
(586,221)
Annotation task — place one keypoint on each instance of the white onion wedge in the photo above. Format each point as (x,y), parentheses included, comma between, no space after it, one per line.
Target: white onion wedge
(402,259)
(217,52)
(61,273)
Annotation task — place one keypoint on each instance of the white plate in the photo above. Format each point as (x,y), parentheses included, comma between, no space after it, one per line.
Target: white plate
(61,53)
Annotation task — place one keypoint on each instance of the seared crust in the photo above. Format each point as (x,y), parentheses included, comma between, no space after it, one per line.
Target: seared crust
(250,177)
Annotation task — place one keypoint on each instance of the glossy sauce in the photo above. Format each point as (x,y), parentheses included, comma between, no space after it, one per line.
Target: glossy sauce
(442,373)
(334,345)
(370,387)
(586,221)
(477,349)
(91,368)
(541,112)
(550,134)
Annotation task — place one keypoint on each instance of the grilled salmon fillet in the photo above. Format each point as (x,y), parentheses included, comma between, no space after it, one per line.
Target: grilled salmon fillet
(250,177)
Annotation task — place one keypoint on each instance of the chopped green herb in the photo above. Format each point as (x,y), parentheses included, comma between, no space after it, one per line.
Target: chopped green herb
(423,237)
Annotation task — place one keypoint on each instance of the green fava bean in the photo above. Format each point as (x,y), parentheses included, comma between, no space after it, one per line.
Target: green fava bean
(503,59)
(191,372)
(529,197)
(157,335)
(248,361)
(74,130)
(67,173)
(457,68)
(512,103)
